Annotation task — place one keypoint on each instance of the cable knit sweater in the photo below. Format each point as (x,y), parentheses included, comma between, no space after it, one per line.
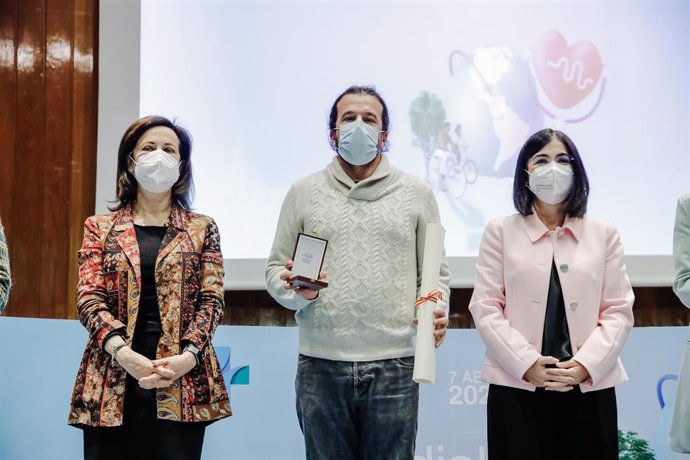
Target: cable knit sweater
(375,230)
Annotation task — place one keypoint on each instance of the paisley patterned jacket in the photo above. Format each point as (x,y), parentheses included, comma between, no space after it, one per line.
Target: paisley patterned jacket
(189,282)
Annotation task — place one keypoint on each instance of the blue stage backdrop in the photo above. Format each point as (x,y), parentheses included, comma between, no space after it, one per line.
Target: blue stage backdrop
(39,359)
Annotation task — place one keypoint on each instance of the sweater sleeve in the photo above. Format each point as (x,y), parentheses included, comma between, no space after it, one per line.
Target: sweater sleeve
(5,277)
(290,223)
(429,214)
(681,251)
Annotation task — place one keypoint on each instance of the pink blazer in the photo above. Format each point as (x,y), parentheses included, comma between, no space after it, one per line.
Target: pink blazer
(510,290)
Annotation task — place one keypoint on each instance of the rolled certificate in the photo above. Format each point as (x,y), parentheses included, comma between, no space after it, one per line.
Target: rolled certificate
(425,356)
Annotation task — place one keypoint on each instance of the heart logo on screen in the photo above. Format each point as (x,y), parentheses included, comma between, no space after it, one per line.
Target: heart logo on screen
(567,74)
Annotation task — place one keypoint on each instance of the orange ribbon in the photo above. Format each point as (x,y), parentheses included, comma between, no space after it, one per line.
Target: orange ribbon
(434,296)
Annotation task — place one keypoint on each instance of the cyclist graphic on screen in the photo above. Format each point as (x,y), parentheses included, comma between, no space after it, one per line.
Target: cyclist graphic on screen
(449,169)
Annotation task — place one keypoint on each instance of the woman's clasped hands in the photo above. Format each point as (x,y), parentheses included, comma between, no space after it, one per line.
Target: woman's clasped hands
(159,373)
(561,378)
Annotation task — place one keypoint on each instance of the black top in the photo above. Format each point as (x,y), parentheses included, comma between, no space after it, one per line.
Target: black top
(148,319)
(556,339)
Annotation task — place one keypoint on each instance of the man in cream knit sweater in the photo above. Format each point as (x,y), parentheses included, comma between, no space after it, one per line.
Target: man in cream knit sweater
(355,394)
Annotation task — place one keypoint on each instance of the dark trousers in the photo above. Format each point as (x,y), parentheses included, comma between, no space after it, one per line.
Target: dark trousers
(142,435)
(159,439)
(357,410)
(546,425)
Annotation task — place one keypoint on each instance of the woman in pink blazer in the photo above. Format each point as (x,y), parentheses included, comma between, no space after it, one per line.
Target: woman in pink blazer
(553,304)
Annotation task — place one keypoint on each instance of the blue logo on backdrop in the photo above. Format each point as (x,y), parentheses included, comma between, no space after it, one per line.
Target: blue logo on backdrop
(233,375)
(666,403)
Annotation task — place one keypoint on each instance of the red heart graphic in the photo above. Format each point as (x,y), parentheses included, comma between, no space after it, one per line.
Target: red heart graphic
(566,74)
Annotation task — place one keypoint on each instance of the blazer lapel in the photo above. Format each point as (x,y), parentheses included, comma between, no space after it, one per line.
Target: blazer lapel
(173,235)
(127,239)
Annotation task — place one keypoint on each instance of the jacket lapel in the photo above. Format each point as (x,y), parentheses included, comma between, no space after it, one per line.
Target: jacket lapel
(127,239)
(173,235)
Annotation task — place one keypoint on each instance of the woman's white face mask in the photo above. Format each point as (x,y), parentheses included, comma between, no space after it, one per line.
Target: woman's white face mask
(156,171)
(551,183)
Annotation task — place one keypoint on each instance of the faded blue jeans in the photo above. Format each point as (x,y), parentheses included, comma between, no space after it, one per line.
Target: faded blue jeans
(357,410)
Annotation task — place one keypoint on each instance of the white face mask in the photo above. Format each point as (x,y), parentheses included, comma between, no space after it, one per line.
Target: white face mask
(551,183)
(156,171)
(358,142)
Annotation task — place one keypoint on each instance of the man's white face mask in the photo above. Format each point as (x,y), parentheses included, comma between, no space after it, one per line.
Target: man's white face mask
(358,142)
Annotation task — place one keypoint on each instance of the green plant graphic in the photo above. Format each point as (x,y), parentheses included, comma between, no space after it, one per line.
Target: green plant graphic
(427,116)
(632,447)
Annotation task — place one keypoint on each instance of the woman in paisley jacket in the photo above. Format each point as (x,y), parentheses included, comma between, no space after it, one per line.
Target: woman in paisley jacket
(5,278)
(150,295)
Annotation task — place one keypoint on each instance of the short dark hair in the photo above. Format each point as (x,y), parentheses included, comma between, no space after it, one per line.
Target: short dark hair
(363,90)
(576,203)
(126,191)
